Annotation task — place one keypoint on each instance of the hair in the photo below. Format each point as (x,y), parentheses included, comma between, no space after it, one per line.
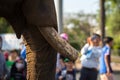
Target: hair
(94,36)
(62,57)
(16,51)
(108,39)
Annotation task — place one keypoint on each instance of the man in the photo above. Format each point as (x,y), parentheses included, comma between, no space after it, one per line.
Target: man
(105,60)
(3,68)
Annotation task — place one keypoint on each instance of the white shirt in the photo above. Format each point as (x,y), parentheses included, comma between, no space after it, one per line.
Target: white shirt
(91,60)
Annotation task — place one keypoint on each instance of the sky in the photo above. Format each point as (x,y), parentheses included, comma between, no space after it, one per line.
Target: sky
(75,6)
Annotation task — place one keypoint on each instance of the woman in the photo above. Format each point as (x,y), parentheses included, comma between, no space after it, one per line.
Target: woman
(90,59)
(106,72)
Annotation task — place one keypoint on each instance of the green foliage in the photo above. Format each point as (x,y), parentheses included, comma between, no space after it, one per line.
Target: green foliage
(5,27)
(113,22)
(75,45)
(76,38)
(80,29)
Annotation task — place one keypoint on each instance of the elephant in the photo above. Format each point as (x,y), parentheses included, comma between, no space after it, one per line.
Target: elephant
(36,21)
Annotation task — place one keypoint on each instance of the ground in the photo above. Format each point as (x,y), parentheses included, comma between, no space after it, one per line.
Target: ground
(115,65)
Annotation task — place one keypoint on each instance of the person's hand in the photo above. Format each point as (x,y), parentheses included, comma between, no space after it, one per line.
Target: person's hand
(108,72)
(2,78)
(57,70)
(61,77)
(5,77)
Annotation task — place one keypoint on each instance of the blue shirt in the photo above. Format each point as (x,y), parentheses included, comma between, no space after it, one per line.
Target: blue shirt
(105,51)
(23,52)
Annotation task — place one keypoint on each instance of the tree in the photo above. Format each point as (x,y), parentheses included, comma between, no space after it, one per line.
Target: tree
(5,27)
(78,27)
(102,18)
(113,21)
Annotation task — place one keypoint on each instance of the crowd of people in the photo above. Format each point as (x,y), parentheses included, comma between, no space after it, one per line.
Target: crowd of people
(12,65)
(94,60)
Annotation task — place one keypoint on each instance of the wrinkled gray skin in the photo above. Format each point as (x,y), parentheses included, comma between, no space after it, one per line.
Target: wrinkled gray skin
(20,13)
(27,17)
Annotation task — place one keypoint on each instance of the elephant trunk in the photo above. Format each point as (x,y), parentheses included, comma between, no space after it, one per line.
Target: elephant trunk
(60,45)
(42,14)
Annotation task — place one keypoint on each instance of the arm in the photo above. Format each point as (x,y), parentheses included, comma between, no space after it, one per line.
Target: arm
(4,65)
(5,69)
(84,49)
(58,76)
(107,63)
(6,72)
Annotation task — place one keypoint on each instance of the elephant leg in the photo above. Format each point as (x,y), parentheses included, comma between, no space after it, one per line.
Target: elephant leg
(41,57)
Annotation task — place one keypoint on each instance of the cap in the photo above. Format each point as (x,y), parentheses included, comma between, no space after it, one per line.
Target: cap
(66,60)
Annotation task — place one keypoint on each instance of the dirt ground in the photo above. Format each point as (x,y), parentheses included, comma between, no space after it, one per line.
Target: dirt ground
(115,63)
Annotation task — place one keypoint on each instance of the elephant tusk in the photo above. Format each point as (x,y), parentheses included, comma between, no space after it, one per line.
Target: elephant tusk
(60,45)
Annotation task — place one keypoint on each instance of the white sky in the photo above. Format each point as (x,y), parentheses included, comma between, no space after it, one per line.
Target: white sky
(75,6)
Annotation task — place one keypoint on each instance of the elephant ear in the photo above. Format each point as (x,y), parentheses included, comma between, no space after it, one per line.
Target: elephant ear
(18,25)
(40,12)
(11,10)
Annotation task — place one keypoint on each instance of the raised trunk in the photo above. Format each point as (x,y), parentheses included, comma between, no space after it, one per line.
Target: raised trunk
(41,57)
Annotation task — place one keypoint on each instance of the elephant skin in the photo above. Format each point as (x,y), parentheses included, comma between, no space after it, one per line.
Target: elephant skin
(34,19)
(12,11)
(40,12)
(34,12)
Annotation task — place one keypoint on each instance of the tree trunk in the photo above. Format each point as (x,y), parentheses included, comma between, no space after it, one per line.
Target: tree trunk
(41,57)
(102,19)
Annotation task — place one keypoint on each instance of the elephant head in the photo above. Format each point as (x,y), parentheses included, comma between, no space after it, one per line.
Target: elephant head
(41,14)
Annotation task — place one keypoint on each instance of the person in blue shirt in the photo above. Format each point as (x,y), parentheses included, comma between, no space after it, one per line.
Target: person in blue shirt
(23,52)
(105,60)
